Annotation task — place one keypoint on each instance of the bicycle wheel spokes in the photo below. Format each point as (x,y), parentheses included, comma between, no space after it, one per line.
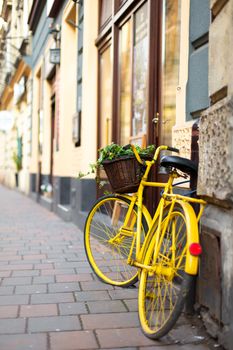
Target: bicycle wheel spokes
(161,287)
(109,240)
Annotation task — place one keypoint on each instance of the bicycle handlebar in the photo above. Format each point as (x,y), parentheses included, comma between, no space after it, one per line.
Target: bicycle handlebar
(173,149)
(156,154)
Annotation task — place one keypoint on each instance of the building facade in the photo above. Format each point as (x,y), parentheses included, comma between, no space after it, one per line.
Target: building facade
(141,71)
(15,91)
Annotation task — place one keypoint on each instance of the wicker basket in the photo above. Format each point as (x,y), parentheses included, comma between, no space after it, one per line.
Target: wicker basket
(124,174)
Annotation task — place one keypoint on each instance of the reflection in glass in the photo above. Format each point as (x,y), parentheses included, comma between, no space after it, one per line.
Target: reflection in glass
(170,66)
(106,11)
(125,82)
(106,97)
(140,68)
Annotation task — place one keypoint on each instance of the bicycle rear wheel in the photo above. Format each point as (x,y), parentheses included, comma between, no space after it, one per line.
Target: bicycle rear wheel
(164,285)
(108,240)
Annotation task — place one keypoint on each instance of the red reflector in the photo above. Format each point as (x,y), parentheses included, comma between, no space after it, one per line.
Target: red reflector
(195,249)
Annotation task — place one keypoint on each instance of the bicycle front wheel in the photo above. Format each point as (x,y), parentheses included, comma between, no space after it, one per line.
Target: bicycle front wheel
(109,239)
(164,285)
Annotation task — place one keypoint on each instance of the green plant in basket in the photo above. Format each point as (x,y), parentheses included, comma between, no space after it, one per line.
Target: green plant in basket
(115,151)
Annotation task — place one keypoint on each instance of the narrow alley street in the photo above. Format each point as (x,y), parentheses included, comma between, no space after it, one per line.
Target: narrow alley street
(50,299)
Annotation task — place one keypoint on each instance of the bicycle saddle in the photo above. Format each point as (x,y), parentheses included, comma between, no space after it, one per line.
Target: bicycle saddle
(185,165)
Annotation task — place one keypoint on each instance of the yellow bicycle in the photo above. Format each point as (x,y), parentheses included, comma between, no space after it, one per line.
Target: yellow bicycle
(124,243)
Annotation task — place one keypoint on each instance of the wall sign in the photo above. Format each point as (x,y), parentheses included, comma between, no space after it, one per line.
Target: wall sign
(55,56)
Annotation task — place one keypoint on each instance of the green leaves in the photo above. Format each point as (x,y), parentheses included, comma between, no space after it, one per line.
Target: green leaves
(114,151)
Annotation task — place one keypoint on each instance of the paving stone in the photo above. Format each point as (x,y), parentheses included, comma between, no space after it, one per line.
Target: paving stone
(86,269)
(73,340)
(38,310)
(72,308)
(131,304)
(74,278)
(8,311)
(27,273)
(43,266)
(96,295)
(34,257)
(10,257)
(6,290)
(14,300)
(128,348)
(124,293)
(5,273)
(53,323)
(57,272)
(64,287)
(11,326)
(14,281)
(23,342)
(177,347)
(31,289)
(52,298)
(24,262)
(68,265)
(95,285)
(17,267)
(107,306)
(94,321)
(113,338)
(44,279)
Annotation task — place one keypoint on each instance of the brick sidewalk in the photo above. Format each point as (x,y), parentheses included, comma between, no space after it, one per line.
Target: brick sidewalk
(49,297)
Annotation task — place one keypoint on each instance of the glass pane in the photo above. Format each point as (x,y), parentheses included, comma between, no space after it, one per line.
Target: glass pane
(170,66)
(106,97)
(140,71)
(125,82)
(106,11)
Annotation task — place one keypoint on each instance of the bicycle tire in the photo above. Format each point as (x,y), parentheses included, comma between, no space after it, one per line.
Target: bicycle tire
(109,260)
(161,298)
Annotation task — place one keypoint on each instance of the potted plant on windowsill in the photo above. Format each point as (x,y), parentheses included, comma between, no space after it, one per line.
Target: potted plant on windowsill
(18,166)
(123,170)
(46,189)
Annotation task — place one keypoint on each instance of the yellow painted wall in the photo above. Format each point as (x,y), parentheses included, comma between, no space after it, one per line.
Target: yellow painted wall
(86,154)
(68,88)
(70,159)
(35,87)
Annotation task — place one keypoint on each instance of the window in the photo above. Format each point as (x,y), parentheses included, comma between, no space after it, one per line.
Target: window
(133,47)
(77,119)
(170,66)
(143,62)
(105,11)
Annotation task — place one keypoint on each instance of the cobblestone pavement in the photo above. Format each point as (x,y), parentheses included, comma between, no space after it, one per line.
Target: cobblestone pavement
(50,299)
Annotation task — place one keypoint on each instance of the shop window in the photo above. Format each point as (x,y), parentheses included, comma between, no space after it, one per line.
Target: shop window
(133,47)
(125,82)
(142,73)
(170,66)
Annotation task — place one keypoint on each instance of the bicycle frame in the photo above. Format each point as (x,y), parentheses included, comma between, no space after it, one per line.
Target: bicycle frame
(168,199)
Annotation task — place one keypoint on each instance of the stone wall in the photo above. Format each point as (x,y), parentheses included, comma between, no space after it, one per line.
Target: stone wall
(215,180)
(216,152)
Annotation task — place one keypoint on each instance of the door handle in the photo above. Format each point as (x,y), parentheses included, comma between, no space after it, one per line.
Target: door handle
(155,120)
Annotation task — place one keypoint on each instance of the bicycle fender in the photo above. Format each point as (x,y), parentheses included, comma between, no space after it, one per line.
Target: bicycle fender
(191,265)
